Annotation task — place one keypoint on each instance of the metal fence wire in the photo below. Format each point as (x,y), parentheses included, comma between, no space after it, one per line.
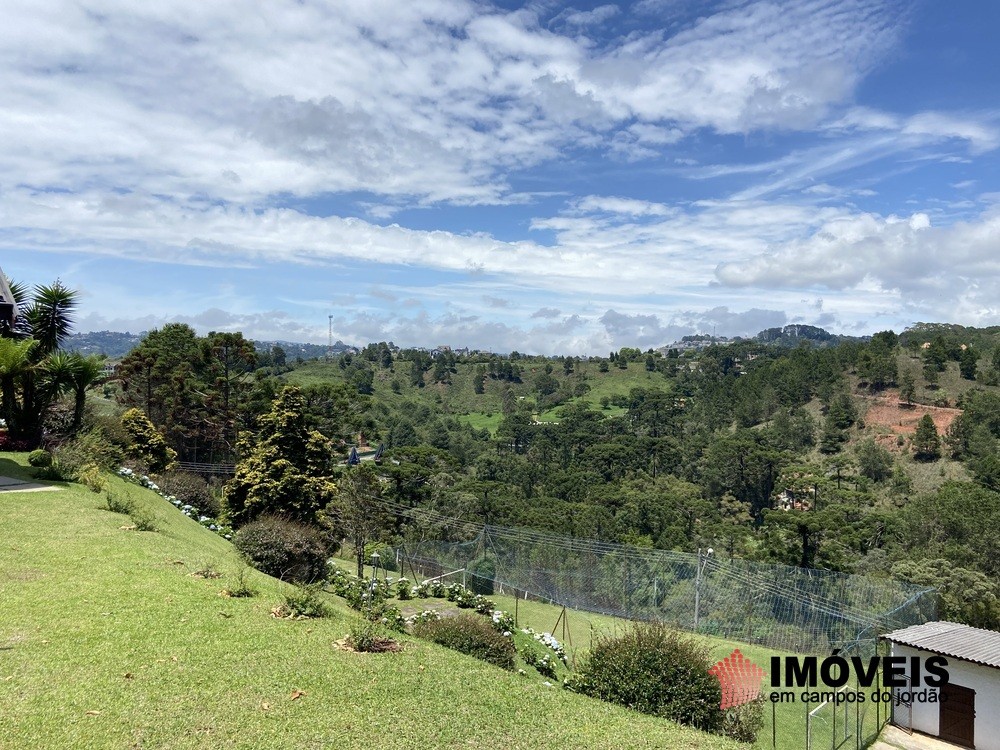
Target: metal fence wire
(779,606)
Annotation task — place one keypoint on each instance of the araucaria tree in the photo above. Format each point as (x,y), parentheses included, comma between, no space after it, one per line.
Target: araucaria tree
(33,372)
(192,388)
(286,471)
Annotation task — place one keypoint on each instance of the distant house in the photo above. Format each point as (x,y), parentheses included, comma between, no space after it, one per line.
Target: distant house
(8,307)
(967,711)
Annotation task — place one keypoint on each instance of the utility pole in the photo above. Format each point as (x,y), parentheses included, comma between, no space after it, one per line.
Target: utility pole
(329,340)
(699,571)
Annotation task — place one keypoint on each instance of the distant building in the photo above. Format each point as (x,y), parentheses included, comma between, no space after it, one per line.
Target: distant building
(8,307)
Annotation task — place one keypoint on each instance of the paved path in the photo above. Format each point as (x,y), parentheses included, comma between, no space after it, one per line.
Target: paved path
(9,484)
(894,738)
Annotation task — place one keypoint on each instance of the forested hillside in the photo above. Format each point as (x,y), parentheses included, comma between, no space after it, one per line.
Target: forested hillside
(875,456)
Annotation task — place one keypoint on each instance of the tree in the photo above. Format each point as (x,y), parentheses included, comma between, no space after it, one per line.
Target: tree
(286,472)
(926,441)
(965,596)
(874,461)
(32,377)
(359,509)
(84,372)
(192,388)
(968,363)
(145,443)
(907,387)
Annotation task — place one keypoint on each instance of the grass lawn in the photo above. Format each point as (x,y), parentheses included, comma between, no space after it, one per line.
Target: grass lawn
(108,639)
(482,420)
(785,725)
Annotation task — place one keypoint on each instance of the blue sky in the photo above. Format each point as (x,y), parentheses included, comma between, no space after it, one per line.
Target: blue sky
(546,177)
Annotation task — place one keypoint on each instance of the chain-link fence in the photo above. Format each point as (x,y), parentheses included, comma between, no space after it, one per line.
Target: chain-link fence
(782,607)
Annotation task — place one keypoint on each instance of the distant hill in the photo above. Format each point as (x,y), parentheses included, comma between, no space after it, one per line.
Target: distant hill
(115,345)
(112,344)
(294,350)
(793,335)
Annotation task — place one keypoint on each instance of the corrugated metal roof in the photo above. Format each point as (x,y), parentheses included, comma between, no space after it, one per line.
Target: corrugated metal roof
(952,639)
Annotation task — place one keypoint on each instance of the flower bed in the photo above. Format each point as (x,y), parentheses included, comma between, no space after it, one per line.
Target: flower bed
(190,511)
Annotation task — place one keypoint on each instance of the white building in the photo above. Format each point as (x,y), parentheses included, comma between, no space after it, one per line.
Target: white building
(967,709)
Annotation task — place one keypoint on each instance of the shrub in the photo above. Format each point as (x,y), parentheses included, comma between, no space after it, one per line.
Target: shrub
(655,669)
(386,556)
(54,473)
(147,444)
(482,572)
(191,490)
(143,520)
(91,477)
(303,602)
(742,723)
(371,637)
(284,549)
(470,635)
(122,502)
(240,588)
(404,590)
(100,445)
(40,458)
(542,660)
(119,502)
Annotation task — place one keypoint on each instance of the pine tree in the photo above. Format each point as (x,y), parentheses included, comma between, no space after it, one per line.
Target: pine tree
(926,441)
(907,387)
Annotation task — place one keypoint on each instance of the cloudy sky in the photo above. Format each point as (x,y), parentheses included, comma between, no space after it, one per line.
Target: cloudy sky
(540,176)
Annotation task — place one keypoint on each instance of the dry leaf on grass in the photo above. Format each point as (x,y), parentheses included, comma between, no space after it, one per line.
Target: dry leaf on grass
(296,694)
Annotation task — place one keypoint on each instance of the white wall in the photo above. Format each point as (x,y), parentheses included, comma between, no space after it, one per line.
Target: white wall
(984,680)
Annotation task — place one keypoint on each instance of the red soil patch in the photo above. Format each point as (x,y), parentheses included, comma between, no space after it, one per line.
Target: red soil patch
(888,411)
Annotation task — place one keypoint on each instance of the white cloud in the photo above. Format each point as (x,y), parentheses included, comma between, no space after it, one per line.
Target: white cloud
(288,98)
(944,271)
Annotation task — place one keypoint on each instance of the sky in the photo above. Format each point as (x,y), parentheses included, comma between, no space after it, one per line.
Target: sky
(545,177)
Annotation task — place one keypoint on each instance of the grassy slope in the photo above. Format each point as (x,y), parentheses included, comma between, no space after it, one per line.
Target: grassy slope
(108,641)
(485,410)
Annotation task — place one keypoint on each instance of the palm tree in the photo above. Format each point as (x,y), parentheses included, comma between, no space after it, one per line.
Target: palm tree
(85,371)
(33,375)
(15,361)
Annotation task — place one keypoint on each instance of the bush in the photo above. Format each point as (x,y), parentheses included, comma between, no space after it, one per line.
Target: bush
(191,490)
(91,477)
(482,572)
(470,635)
(119,502)
(539,658)
(147,444)
(386,556)
(101,445)
(54,473)
(304,602)
(655,669)
(371,637)
(404,590)
(743,723)
(284,549)
(241,587)
(122,502)
(40,458)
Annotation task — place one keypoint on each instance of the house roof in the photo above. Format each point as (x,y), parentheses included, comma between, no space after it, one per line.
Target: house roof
(5,291)
(952,639)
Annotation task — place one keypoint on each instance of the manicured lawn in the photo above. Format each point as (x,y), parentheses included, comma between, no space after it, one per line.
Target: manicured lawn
(108,640)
